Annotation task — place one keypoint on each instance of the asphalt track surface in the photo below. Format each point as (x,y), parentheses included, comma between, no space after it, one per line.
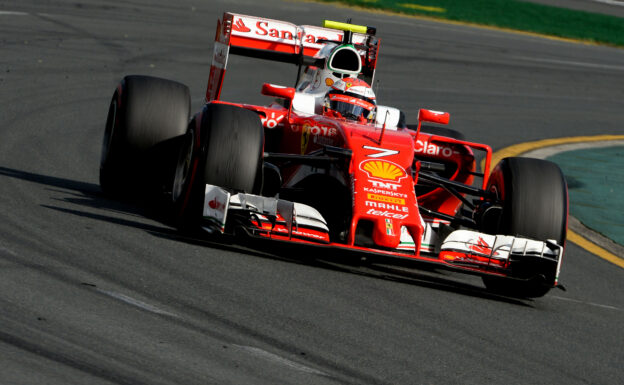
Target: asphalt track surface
(96,291)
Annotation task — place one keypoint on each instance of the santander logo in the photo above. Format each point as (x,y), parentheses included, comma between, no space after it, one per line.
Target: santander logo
(239,26)
(216,205)
(275,30)
(482,247)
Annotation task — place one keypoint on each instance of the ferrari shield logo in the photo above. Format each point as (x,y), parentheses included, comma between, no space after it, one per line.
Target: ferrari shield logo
(389,227)
(305,138)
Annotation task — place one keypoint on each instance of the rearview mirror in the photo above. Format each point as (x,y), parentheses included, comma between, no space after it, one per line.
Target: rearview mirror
(433,116)
(269,89)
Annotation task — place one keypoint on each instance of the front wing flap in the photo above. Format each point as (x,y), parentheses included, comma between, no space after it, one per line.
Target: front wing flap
(466,250)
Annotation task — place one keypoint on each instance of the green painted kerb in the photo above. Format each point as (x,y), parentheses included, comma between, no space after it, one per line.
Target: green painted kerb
(595,180)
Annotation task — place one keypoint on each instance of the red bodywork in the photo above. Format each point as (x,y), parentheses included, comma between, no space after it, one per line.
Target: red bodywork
(382,172)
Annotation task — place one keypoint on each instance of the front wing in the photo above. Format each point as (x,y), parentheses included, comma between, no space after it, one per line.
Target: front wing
(465,250)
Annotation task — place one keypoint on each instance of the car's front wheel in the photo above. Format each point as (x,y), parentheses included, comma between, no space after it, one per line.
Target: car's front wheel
(533,203)
(223,146)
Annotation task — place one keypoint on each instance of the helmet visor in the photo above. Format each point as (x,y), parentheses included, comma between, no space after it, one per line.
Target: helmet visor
(350,107)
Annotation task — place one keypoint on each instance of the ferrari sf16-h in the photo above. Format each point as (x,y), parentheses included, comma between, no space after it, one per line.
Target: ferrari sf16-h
(323,165)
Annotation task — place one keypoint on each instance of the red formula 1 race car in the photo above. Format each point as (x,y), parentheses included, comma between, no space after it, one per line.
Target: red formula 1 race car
(324,165)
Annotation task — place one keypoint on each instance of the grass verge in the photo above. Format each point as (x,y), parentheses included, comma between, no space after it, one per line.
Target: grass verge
(510,14)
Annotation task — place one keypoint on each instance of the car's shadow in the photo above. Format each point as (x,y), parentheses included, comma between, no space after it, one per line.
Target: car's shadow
(96,205)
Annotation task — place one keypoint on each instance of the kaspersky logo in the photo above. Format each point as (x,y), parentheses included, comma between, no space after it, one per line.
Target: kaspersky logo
(383,169)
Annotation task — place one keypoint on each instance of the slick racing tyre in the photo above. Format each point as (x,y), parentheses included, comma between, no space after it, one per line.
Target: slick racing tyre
(223,146)
(534,200)
(145,117)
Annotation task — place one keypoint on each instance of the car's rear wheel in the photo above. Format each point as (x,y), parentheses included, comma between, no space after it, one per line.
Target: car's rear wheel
(146,116)
(223,146)
(533,204)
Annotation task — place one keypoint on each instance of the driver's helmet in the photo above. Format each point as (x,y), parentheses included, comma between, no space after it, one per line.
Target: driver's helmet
(352,99)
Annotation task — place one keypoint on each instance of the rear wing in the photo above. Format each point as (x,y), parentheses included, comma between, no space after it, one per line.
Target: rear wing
(280,41)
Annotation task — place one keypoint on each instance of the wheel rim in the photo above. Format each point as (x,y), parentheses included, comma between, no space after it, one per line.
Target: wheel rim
(183,166)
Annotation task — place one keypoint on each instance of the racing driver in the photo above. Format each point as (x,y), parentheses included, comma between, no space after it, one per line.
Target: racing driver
(351,99)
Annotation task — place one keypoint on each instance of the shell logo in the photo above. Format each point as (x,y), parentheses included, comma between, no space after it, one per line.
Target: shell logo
(382,169)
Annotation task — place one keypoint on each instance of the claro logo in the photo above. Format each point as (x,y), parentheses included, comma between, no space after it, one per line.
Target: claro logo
(433,149)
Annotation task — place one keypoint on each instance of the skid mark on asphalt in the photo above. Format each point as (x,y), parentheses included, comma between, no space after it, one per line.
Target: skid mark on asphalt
(135,302)
(12,13)
(572,63)
(586,303)
(279,359)
(8,251)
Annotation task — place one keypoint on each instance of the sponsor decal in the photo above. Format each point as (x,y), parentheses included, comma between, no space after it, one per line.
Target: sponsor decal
(384,192)
(383,169)
(385,199)
(274,30)
(216,204)
(386,214)
(305,138)
(329,82)
(383,185)
(239,26)
(387,206)
(355,86)
(272,121)
(220,55)
(381,152)
(315,129)
(480,246)
(433,149)
(389,227)
(300,232)
(216,201)
(351,100)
